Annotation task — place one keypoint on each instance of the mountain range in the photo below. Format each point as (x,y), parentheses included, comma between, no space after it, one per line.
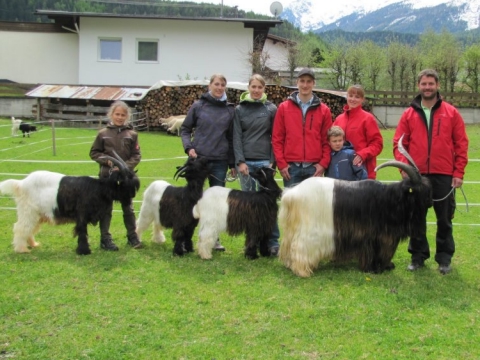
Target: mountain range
(407,16)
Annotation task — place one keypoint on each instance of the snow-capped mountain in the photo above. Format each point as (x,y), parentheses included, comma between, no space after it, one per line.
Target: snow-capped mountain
(408,16)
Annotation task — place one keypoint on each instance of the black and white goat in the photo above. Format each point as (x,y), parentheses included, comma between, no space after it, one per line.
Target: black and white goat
(170,207)
(26,128)
(234,211)
(323,218)
(45,196)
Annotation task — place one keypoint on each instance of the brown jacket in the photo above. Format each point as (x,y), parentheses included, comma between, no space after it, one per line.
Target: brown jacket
(123,140)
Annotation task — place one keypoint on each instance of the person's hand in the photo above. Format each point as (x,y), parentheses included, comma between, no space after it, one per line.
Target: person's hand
(457,182)
(192,153)
(357,160)
(285,174)
(233,172)
(109,163)
(243,169)
(319,170)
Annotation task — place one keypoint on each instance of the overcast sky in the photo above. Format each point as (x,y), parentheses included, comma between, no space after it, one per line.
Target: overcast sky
(257,6)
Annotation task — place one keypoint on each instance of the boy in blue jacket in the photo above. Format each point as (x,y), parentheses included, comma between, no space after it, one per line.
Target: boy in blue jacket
(341,164)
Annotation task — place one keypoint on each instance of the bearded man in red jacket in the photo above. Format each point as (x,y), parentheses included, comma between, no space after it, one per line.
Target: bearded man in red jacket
(435,137)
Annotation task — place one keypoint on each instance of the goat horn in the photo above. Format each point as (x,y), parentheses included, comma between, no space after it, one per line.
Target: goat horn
(179,172)
(411,171)
(120,162)
(404,152)
(117,160)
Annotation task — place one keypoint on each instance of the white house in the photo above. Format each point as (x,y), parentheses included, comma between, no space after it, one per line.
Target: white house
(127,50)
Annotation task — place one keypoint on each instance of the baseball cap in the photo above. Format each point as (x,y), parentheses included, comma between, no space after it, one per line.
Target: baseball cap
(306,71)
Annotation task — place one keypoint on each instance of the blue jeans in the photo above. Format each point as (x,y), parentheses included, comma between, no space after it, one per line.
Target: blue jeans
(217,172)
(298,173)
(249,184)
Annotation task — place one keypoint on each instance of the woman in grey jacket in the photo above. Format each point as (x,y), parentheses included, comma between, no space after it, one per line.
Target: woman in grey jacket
(207,132)
(252,138)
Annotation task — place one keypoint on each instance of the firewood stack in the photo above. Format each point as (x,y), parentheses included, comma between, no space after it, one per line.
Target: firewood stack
(167,101)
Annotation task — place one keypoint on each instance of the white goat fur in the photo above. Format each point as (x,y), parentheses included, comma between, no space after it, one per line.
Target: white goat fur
(306,218)
(216,205)
(149,211)
(36,197)
(15,125)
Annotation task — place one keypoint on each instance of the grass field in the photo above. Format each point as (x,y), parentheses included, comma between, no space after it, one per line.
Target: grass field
(148,304)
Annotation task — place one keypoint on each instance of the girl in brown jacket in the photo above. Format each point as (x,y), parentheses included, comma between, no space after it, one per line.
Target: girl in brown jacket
(118,136)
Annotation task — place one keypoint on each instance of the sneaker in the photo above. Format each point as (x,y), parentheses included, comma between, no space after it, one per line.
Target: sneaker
(134,242)
(415,266)
(218,246)
(108,244)
(274,251)
(444,269)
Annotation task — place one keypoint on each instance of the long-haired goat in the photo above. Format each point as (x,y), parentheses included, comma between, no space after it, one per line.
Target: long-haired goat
(234,211)
(45,196)
(323,219)
(169,206)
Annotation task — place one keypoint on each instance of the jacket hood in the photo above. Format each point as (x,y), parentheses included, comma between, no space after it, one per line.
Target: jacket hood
(245,97)
(128,126)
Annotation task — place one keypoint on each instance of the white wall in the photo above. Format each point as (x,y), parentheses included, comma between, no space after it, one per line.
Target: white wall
(278,54)
(196,48)
(39,57)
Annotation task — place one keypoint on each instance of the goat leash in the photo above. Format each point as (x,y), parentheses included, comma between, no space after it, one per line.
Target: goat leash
(450,193)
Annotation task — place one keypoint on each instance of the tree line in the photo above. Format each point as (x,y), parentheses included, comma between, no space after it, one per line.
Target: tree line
(395,66)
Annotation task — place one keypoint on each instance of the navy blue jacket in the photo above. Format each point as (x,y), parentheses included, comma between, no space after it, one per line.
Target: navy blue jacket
(341,165)
(208,128)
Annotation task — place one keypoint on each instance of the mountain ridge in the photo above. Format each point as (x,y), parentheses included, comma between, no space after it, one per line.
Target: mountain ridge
(407,16)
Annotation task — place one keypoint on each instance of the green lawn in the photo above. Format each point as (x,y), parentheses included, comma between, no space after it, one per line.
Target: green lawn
(149,304)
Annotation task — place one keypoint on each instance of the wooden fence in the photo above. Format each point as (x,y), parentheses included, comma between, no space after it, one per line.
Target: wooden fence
(404,98)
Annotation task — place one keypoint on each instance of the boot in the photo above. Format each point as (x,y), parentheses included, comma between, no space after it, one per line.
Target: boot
(218,246)
(130,225)
(106,243)
(134,242)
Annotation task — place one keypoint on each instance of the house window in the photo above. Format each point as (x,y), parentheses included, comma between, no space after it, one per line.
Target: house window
(110,49)
(147,50)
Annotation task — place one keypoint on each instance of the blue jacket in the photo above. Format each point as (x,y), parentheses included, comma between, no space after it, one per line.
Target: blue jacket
(341,165)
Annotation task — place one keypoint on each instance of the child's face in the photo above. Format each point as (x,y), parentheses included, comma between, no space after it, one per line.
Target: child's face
(336,142)
(119,116)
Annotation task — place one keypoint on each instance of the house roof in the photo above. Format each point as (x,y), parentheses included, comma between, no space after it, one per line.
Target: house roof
(276,39)
(88,92)
(68,18)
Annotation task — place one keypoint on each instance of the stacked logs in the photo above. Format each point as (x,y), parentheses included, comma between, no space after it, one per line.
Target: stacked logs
(167,101)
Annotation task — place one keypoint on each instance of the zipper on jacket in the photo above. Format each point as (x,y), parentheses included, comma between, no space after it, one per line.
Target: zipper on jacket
(438,128)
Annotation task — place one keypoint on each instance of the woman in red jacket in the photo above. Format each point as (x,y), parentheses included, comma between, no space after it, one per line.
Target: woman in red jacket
(361,130)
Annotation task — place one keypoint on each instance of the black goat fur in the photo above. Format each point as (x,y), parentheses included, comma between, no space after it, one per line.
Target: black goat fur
(85,200)
(371,218)
(177,203)
(255,212)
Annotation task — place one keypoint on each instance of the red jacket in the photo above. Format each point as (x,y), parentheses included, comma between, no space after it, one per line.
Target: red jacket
(361,130)
(438,149)
(298,139)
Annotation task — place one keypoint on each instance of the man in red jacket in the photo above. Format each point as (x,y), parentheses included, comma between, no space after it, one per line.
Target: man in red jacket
(299,137)
(435,137)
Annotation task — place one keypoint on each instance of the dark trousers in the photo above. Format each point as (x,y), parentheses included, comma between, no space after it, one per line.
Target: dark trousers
(128,220)
(218,172)
(444,211)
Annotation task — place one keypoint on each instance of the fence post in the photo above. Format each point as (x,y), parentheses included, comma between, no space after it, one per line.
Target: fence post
(53,137)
